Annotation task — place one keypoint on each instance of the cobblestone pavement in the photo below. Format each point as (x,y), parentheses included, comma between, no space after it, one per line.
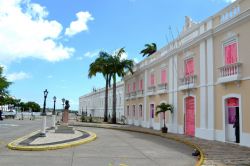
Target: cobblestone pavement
(216,153)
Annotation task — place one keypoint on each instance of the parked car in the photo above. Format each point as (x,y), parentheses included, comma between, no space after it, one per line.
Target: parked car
(9,114)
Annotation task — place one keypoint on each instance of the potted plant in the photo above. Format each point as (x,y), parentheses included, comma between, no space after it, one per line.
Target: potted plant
(162,108)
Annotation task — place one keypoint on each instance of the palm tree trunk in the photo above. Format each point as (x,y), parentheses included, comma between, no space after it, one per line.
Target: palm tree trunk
(106,100)
(114,100)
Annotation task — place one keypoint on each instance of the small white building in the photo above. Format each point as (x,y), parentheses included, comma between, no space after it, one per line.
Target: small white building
(94,102)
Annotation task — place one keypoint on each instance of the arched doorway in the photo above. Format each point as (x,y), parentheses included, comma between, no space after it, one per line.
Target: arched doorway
(140,115)
(190,116)
(232,120)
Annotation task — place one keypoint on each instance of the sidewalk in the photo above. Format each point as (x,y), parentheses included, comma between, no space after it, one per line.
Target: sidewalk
(215,153)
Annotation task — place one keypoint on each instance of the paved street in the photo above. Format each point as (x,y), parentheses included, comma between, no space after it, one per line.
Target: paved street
(112,148)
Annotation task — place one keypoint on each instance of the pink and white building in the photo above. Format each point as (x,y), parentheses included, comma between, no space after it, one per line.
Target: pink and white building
(204,73)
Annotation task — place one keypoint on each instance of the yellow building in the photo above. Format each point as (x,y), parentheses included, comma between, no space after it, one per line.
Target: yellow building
(204,73)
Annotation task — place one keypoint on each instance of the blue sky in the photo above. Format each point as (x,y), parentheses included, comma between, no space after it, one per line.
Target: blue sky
(50,43)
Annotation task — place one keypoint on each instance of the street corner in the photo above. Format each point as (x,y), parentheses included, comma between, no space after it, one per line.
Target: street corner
(52,140)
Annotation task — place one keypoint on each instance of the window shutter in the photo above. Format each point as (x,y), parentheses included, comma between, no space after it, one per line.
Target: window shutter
(189,67)
(163,76)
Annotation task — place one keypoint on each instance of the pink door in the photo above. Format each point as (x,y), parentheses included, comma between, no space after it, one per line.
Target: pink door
(190,116)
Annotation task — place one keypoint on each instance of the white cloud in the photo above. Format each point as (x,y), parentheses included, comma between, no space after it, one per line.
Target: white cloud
(123,56)
(91,54)
(229,1)
(50,76)
(80,24)
(79,58)
(17,76)
(5,68)
(25,32)
(136,60)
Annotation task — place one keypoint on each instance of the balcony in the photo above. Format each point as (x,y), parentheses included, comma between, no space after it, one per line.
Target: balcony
(187,82)
(229,12)
(162,88)
(133,95)
(140,94)
(151,90)
(229,73)
(127,96)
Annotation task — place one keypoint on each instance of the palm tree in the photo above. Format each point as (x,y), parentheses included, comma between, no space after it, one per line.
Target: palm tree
(149,50)
(101,65)
(162,108)
(119,67)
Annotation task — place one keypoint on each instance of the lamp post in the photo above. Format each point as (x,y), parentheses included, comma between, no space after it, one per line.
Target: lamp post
(43,114)
(54,114)
(63,101)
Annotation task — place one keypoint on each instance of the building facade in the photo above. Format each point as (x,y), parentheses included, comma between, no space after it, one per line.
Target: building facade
(94,102)
(204,73)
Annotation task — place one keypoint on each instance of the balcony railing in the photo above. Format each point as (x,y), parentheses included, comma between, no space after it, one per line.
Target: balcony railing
(230,72)
(140,93)
(162,88)
(151,90)
(133,94)
(187,82)
(127,96)
(229,12)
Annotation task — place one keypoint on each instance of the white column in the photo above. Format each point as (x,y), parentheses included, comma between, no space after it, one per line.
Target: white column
(202,85)
(202,131)
(146,121)
(171,90)
(175,94)
(210,90)
(54,121)
(43,131)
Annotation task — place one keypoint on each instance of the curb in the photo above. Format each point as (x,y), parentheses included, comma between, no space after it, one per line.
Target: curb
(14,144)
(202,155)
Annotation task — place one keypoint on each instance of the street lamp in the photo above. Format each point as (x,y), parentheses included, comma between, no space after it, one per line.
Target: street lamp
(63,101)
(54,114)
(43,114)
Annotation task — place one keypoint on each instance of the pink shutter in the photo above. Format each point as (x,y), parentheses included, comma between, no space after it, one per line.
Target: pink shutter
(231,115)
(128,88)
(134,86)
(231,54)
(234,53)
(190,116)
(233,102)
(141,84)
(163,76)
(189,67)
(152,79)
(227,54)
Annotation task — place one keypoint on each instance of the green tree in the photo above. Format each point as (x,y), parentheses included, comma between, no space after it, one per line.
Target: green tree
(101,65)
(22,106)
(10,101)
(149,50)
(162,108)
(118,67)
(33,105)
(4,84)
